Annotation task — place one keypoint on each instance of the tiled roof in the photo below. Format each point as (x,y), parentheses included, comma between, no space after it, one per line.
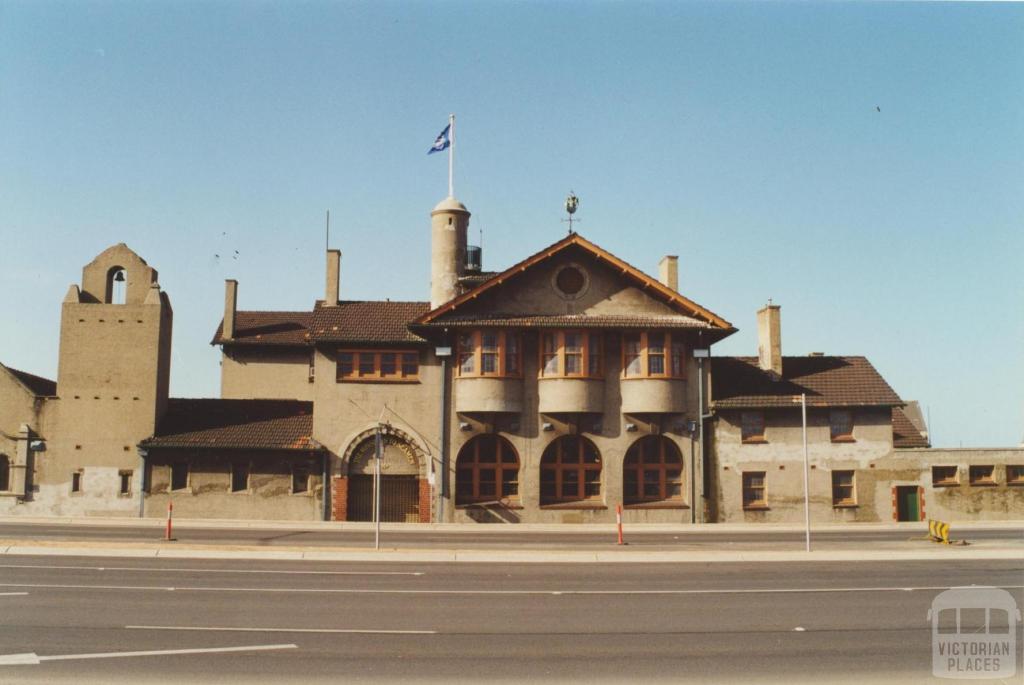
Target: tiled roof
(235,424)
(366,322)
(569,321)
(578,242)
(267,328)
(738,382)
(904,432)
(39,386)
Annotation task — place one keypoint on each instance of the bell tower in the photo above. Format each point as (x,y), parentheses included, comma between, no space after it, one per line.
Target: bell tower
(114,362)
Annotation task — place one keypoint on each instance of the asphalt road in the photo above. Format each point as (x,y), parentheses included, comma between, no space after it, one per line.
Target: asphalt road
(489,537)
(222,621)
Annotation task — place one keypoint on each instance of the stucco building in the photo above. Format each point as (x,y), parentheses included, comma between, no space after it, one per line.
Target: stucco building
(552,391)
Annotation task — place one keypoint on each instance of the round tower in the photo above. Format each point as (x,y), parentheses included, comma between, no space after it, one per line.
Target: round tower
(449,222)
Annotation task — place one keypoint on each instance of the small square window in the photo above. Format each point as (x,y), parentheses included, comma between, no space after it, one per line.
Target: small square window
(1015,474)
(125,482)
(752,426)
(943,476)
(982,475)
(841,425)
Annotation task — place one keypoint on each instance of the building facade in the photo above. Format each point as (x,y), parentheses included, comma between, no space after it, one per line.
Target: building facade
(554,391)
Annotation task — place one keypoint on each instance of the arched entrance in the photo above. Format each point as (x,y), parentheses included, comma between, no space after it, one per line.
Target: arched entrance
(400,481)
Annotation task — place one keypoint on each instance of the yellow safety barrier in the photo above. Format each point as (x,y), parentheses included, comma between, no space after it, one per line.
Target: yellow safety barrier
(938,531)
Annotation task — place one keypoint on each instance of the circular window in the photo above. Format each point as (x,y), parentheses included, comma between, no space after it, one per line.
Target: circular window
(570,281)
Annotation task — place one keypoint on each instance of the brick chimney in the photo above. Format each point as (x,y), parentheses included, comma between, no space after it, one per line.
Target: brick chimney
(668,271)
(769,339)
(333,277)
(230,307)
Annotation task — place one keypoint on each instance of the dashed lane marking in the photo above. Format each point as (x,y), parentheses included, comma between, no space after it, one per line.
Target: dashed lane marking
(216,570)
(229,629)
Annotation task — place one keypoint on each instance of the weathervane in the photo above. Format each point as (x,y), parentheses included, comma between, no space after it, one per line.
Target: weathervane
(572,203)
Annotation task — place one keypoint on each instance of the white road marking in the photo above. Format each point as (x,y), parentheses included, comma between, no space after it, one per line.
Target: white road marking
(11,594)
(228,629)
(217,570)
(31,658)
(354,591)
(800,629)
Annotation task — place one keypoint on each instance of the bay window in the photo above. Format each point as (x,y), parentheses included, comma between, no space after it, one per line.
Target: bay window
(489,353)
(653,354)
(572,354)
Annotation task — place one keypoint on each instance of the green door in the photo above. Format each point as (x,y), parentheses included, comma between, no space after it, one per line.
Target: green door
(908,504)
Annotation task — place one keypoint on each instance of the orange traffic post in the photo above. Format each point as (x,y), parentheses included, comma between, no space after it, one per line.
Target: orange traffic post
(618,521)
(170,511)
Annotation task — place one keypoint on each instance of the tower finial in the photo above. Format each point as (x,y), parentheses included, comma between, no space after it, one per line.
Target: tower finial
(572,203)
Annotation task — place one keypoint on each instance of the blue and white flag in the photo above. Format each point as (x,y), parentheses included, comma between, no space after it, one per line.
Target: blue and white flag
(442,142)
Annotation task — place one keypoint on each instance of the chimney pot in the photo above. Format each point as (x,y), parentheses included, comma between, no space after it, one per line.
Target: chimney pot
(333,278)
(668,271)
(769,339)
(230,308)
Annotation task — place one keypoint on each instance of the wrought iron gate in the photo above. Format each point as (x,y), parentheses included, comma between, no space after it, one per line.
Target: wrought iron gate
(400,499)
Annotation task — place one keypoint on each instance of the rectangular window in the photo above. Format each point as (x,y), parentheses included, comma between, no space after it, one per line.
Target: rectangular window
(982,475)
(753,490)
(76,481)
(841,425)
(346,365)
(489,353)
(632,363)
(300,479)
(843,490)
(678,358)
(573,347)
(239,477)
(752,427)
(1014,474)
(375,365)
(125,478)
(388,364)
(549,354)
(512,354)
(655,354)
(312,366)
(594,356)
(945,476)
(179,475)
(467,355)
(5,473)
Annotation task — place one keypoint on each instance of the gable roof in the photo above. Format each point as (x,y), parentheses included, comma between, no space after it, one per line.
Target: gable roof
(638,277)
(37,385)
(905,433)
(739,383)
(366,322)
(235,424)
(266,328)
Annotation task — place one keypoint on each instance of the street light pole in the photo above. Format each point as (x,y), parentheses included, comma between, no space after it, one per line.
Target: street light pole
(376,488)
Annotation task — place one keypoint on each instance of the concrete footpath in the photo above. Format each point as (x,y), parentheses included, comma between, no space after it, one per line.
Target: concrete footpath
(916,549)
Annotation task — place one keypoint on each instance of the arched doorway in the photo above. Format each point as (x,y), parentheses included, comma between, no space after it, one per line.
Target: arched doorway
(400,481)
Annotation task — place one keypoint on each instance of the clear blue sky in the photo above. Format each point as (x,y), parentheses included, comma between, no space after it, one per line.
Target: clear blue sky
(743,137)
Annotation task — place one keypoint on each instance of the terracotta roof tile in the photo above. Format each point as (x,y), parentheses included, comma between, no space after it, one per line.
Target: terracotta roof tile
(267,328)
(738,382)
(39,386)
(366,322)
(235,424)
(904,432)
(568,321)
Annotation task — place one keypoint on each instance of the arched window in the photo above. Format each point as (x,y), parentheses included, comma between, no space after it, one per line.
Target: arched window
(5,473)
(487,469)
(570,471)
(653,471)
(117,285)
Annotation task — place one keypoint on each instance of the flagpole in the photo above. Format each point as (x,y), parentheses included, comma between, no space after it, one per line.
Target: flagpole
(451,153)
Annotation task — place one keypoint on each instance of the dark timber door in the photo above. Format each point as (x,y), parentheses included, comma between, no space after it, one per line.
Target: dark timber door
(908,504)
(400,502)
